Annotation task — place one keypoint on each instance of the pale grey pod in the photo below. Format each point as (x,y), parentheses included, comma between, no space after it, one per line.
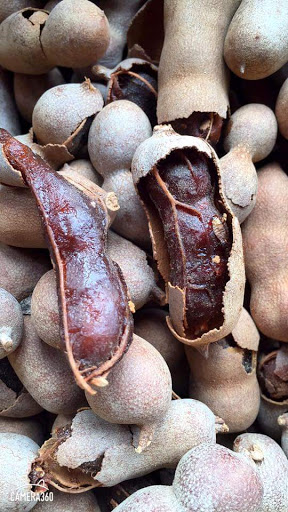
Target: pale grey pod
(11,323)
(9,118)
(61,113)
(156,498)
(30,427)
(84,168)
(20,45)
(7,8)
(271,465)
(114,136)
(64,502)
(17,453)
(21,269)
(212,477)
(46,374)
(29,88)
(281,109)
(45,310)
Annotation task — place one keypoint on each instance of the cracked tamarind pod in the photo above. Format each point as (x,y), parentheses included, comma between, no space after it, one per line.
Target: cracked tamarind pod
(138,275)
(264,242)
(196,239)
(271,465)
(209,475)
(273,380)
(96,322)
(225,379)
(21,50)
(105,452)
(17,453)
(8,8)
(133,80)
(111,150)
(193,80)
(15,401)
(139,390)
(256,43)
(11,323)
(250,137)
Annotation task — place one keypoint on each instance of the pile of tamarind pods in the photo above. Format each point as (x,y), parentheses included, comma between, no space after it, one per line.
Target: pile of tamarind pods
(143,256)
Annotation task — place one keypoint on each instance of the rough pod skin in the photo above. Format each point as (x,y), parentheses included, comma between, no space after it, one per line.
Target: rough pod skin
(114,136)
(17,453)
(11,323)
(212,478)
(271,465)
(272,376)
(62,502)
(225,379)
(7,8)
(30,427)
(21,269)
(84,168)
(265,246)
(119,15)
(61,114)
(193,81)
(20,46)
(9,118)
(45,373)
(29,88)
(139,390)
(96,322)
(281,109)
(256,43)
(209,478)
(250,137)
(76,34)
(151,325)
(283,422)
(196,239)
(138,275)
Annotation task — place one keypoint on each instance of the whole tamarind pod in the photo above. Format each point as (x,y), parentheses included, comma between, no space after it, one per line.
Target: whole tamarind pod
(119,15)
(155,498)
(21,269)
(196,239)
(21,50)
(71,40)
(133,80)
(271,464)
(9,118)
(15,401)
(17,453)
(256,44)
(30,427)
(96,322)
(250,137)
(139,390)
(193,73)
(213,474)
(111,150)
(7,8)
(29,88)
(11,323)
(230,365)
(75,105)
(281,109)
(45,373)
(151,325)
(85,502)
(264,235)
(283,422)
(272,376)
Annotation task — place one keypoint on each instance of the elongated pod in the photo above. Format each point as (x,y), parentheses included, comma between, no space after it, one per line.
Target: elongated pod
(196,238)
(193,81)
(96,322)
